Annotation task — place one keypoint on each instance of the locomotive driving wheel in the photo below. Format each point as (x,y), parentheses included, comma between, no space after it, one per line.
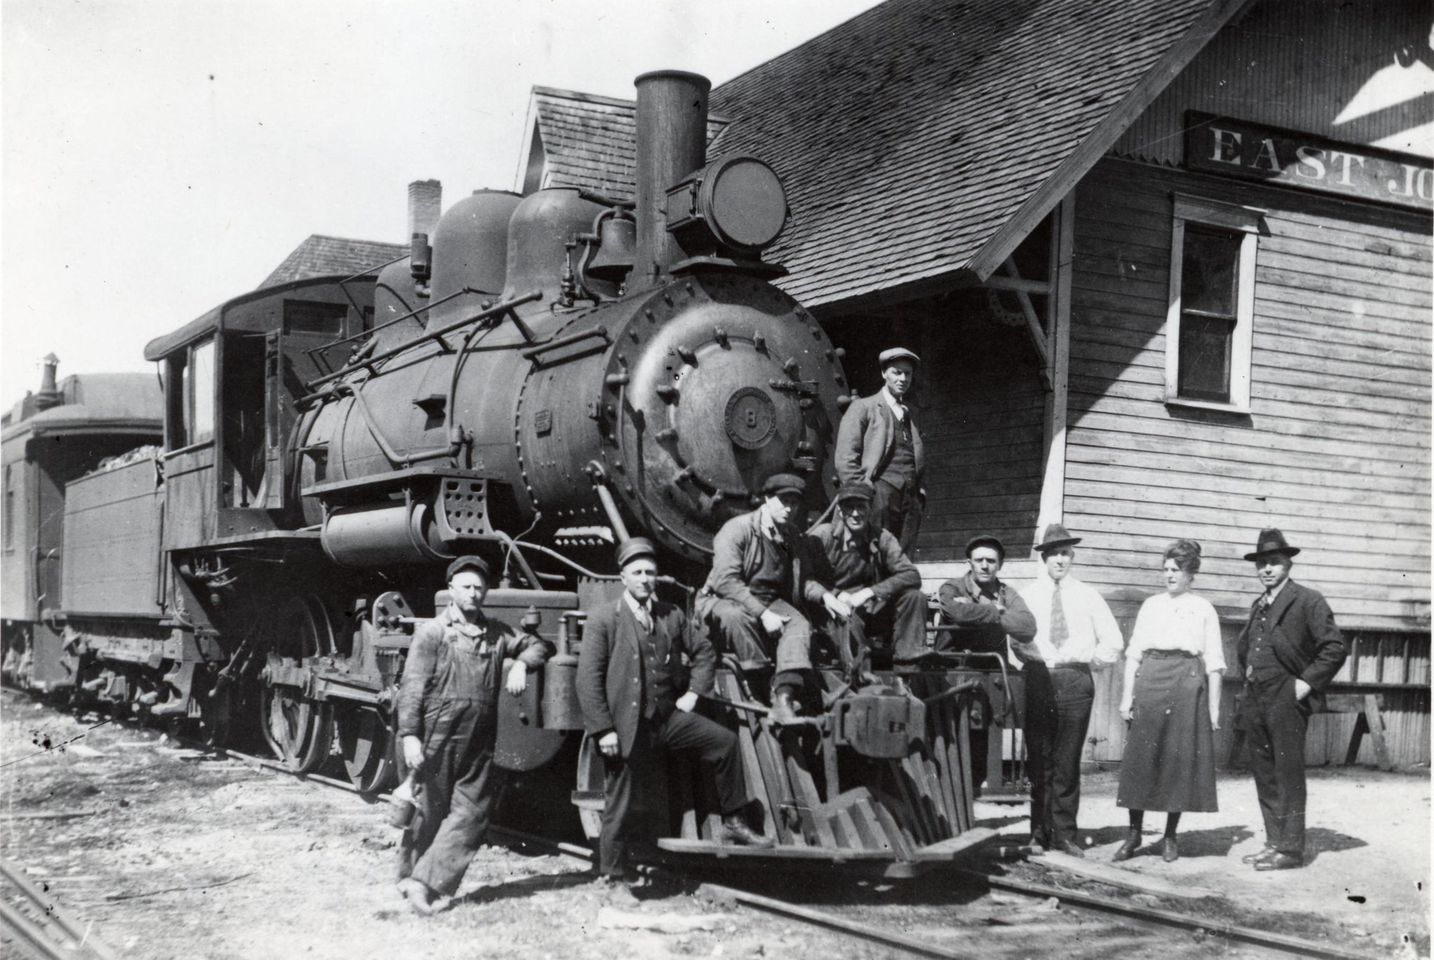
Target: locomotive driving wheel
(365,744)
(298,729)
(590,795)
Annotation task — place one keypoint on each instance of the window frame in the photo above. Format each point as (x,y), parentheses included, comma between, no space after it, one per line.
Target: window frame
(1248,221)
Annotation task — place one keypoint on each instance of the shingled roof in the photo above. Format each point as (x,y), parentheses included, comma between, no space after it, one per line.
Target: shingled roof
(587,141)
(321,256)
(925,138)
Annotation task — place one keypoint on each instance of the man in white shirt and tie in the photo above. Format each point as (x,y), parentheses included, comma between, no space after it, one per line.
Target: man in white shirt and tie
(878,443)
(1075,632)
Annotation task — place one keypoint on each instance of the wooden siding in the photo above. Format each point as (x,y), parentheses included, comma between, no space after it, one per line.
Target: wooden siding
(1335,450)
(980,406)
(1300,65)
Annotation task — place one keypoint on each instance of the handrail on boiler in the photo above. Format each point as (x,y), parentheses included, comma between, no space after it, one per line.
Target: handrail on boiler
(506,306)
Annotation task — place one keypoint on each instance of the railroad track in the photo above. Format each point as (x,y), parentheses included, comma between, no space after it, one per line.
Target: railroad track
(32,924)
(870,921)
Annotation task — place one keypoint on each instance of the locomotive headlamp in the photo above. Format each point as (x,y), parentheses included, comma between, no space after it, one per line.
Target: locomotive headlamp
(731,206)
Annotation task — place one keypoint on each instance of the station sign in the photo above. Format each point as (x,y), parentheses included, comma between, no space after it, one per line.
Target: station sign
(1239,148)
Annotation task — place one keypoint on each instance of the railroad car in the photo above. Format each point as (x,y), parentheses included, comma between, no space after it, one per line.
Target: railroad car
(50,438)
(541,377)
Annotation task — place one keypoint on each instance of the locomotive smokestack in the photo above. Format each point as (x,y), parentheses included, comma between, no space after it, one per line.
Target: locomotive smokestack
(49,395)
(671,143)
(425,203)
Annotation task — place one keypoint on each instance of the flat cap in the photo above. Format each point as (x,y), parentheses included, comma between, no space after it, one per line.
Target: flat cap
(780,483)
(896,353)
(855,490)
(986,540)
(469,562)
(631,549)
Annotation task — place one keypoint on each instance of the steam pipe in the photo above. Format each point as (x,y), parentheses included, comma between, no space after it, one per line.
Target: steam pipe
(671,143)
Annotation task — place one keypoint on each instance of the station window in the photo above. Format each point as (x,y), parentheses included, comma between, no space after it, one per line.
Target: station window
(1210,320)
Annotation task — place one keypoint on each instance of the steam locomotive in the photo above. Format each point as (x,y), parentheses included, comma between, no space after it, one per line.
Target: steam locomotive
(541,377)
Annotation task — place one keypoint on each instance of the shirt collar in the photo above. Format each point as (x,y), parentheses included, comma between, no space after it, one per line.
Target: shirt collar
(897,407)
(455,619)
(974,589)
(769,527)
(635,606)
(1270,598)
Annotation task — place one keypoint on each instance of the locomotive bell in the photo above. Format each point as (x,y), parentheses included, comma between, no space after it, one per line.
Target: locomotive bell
(617,241)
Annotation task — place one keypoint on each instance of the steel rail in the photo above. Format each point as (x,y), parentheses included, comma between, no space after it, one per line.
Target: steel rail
(1233,931)
(83,941)
(818,918)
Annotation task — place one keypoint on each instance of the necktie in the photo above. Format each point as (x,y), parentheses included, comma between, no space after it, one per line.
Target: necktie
(1060,630)
(644,618)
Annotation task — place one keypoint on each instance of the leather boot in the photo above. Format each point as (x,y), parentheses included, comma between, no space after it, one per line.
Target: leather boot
(735,830)
(1128,848)
(783,709)
(1171,853)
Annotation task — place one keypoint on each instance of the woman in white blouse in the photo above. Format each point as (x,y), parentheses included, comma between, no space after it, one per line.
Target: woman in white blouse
(1172,700)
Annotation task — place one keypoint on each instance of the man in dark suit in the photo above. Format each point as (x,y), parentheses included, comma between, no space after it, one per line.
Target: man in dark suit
(878,443)
(637,704)
(1288,653)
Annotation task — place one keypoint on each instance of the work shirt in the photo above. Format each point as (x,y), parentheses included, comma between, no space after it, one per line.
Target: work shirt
(750,566)
(1094,637)
(842,560)
(982,626)
(454,662)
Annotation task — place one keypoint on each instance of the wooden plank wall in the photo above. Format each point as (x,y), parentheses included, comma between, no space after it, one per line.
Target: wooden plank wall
(1335,450)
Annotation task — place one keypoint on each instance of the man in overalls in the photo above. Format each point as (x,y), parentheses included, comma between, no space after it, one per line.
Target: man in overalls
(448,724)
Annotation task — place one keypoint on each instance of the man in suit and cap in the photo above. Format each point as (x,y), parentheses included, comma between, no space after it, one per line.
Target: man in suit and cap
(863,564)
(878,443)
(1075,632)
(751,596)
(1288,652)
(448,727)
(638,701)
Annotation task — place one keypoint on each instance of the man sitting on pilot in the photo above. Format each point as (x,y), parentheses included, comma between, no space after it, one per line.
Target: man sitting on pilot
(866,568)
(751,597)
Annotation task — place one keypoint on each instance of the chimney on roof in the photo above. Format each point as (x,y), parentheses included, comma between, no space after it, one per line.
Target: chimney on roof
(425,203)
(49,395)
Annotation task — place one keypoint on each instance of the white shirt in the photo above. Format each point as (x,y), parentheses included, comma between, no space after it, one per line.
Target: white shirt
(1187,623)
(1094,636)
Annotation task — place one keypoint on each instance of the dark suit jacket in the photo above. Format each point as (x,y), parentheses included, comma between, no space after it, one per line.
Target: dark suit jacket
(1306,641)
(867,437)
(610,665)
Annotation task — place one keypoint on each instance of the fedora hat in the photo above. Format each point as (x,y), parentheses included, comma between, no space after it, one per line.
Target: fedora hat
(1271,541)
(1056,535)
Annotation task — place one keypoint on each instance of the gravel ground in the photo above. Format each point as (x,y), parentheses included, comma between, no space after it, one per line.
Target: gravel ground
(173,854)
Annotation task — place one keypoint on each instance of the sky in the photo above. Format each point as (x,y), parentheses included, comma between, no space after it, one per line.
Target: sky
(161,156)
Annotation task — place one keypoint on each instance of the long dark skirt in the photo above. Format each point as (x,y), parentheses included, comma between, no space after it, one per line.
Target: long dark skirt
(1169,761)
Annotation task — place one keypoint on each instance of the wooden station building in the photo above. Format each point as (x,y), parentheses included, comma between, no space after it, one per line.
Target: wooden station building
(1168,266)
